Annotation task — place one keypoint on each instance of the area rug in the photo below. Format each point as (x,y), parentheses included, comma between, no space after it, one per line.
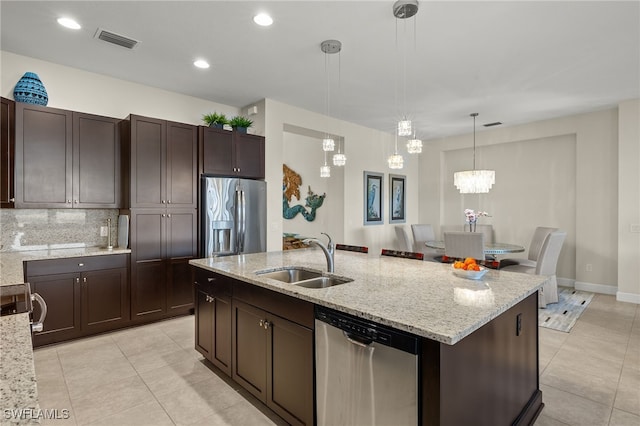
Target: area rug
(563,315)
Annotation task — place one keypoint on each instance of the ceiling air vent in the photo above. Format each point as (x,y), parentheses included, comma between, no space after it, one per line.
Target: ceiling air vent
(496,123)
(114,38)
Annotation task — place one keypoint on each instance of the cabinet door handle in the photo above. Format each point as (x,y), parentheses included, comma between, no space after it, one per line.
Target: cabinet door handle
(169,215)
(169,202)
(163,215)
(211,279)
(267,324)
(84,279)
(163,201)
(13,200)
(75,201)
(261,323)
(78,280)
(68,201)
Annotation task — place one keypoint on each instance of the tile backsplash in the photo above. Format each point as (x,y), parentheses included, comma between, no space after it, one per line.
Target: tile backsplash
(42,229)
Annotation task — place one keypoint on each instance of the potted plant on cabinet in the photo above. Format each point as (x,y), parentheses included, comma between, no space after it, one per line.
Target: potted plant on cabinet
(240,123)
(215,120)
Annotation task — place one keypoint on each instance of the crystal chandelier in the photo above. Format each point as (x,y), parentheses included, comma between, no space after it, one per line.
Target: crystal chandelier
(339,159)
(474,181)
(395,161)
(325,171)
(414,146)
(328,144)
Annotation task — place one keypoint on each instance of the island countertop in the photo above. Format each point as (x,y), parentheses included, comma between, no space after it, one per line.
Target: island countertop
(423,298)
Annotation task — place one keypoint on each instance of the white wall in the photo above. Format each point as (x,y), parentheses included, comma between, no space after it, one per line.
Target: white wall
(77,90)
(594,224)
(629,202)
(366,149)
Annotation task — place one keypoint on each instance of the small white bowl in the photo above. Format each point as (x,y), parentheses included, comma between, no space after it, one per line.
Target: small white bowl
(472,275)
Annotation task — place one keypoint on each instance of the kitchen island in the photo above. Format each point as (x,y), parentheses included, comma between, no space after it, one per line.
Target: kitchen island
(479,359)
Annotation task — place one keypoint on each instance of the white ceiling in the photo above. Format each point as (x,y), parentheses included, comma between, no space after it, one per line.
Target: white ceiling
(510,61)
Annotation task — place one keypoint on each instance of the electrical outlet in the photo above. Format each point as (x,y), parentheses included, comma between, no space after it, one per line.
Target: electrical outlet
(589,267)
(103,231)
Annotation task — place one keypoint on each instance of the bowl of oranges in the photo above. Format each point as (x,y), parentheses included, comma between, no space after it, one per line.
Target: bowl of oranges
(468,268)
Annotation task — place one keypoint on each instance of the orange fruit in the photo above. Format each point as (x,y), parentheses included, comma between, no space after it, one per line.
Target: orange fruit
(469,260)
(474,267)
(458,265)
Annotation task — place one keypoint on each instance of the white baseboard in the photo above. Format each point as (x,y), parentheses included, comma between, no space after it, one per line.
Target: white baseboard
(628,297)
(566,282)
(596,288)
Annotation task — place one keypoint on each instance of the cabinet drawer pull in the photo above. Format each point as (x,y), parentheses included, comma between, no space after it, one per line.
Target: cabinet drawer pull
(211,279)
(12,200)
(81,264)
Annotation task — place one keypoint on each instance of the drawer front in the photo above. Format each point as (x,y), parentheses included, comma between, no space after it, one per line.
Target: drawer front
(212,283)
(74,264)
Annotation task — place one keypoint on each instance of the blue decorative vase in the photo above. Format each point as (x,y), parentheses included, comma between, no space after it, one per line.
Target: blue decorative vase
(29,89)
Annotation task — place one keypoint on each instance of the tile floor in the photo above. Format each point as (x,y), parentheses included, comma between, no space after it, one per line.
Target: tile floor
(151,375)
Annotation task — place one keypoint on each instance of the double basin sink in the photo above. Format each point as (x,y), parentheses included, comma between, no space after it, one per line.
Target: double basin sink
(303,277)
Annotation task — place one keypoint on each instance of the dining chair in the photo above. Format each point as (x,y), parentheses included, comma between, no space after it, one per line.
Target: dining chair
(347,247)
(535,246)
(545,265)
(404,254)
(421,234)
(461,245)
(403,240)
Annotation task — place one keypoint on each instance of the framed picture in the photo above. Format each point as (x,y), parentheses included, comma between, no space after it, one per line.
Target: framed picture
(373,195)
(397,197)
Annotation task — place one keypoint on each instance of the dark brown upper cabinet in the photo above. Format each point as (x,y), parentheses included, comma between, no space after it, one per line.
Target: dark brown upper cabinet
(66,159)
(7,147)
(230,153)
(162,163)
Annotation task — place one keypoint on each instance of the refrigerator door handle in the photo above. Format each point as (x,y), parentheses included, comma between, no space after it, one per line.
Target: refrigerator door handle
(242,222)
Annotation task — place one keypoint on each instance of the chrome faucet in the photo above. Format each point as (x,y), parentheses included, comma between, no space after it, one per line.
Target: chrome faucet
(328,249)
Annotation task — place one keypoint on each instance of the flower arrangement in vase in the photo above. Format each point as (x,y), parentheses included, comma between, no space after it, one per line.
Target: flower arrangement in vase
(472,218)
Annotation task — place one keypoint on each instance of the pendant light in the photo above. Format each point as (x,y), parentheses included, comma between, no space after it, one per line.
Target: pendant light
(325,171)
(474,181)
(404,9)
(396,161)
(414,146)
(329,47)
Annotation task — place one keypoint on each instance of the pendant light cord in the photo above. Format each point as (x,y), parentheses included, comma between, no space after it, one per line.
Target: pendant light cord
(474,115)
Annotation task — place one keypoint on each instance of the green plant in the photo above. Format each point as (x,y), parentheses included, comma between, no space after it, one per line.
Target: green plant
(240,121)
(215,118)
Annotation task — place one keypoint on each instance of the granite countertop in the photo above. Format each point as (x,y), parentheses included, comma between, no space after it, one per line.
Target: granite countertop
(423,298)
(11,269)
(18,390)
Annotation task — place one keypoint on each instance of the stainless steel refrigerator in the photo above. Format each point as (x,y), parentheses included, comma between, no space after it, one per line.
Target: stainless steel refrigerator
(234,216)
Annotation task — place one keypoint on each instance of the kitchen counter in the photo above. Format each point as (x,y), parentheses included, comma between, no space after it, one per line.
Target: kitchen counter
(423,298)
(11,268)
(18,390)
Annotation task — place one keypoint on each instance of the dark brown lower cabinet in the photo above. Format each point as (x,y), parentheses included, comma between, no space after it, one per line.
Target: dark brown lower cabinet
(213,319)
(84,295)
(273,360)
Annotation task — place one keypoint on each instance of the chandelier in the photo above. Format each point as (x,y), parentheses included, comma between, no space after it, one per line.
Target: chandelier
(414,146)
(395,161)
(474,181)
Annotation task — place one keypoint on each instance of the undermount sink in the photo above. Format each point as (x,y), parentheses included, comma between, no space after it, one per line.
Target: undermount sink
(303,277)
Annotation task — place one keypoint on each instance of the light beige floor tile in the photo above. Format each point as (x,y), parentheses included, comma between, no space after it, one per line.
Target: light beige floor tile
(48,368)
(147,341)
(60,418)
(544,420)
(622,418)
(552,338)
(159,357)
(593,346)
(78,357)
(186,342)
(242,413)
(176,375)
(606,336)
(110,399)
(86,379)
(572,409)
(149,414)
(580,383)
(198,401)
(628,396)
(574,358)
(83,344)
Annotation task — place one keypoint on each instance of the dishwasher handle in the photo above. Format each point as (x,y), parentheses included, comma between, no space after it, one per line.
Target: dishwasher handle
(39,325)
(357,340)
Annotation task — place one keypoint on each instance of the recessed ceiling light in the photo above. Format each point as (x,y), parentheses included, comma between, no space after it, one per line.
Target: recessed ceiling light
(201,63)
(69,23)
(263,19)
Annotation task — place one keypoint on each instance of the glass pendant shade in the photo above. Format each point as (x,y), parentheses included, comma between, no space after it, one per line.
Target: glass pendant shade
(396,161)
(474,181)
(328,144)
(414,146)
(404,127)
(325,171)
(339,159)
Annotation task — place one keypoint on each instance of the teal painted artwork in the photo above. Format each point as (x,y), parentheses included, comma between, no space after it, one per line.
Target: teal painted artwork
(291,188)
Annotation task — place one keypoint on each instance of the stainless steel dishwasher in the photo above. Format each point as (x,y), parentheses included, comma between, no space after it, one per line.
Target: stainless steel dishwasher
(366,373)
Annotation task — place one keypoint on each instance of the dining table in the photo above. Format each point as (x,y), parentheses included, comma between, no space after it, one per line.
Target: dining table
(489,248)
